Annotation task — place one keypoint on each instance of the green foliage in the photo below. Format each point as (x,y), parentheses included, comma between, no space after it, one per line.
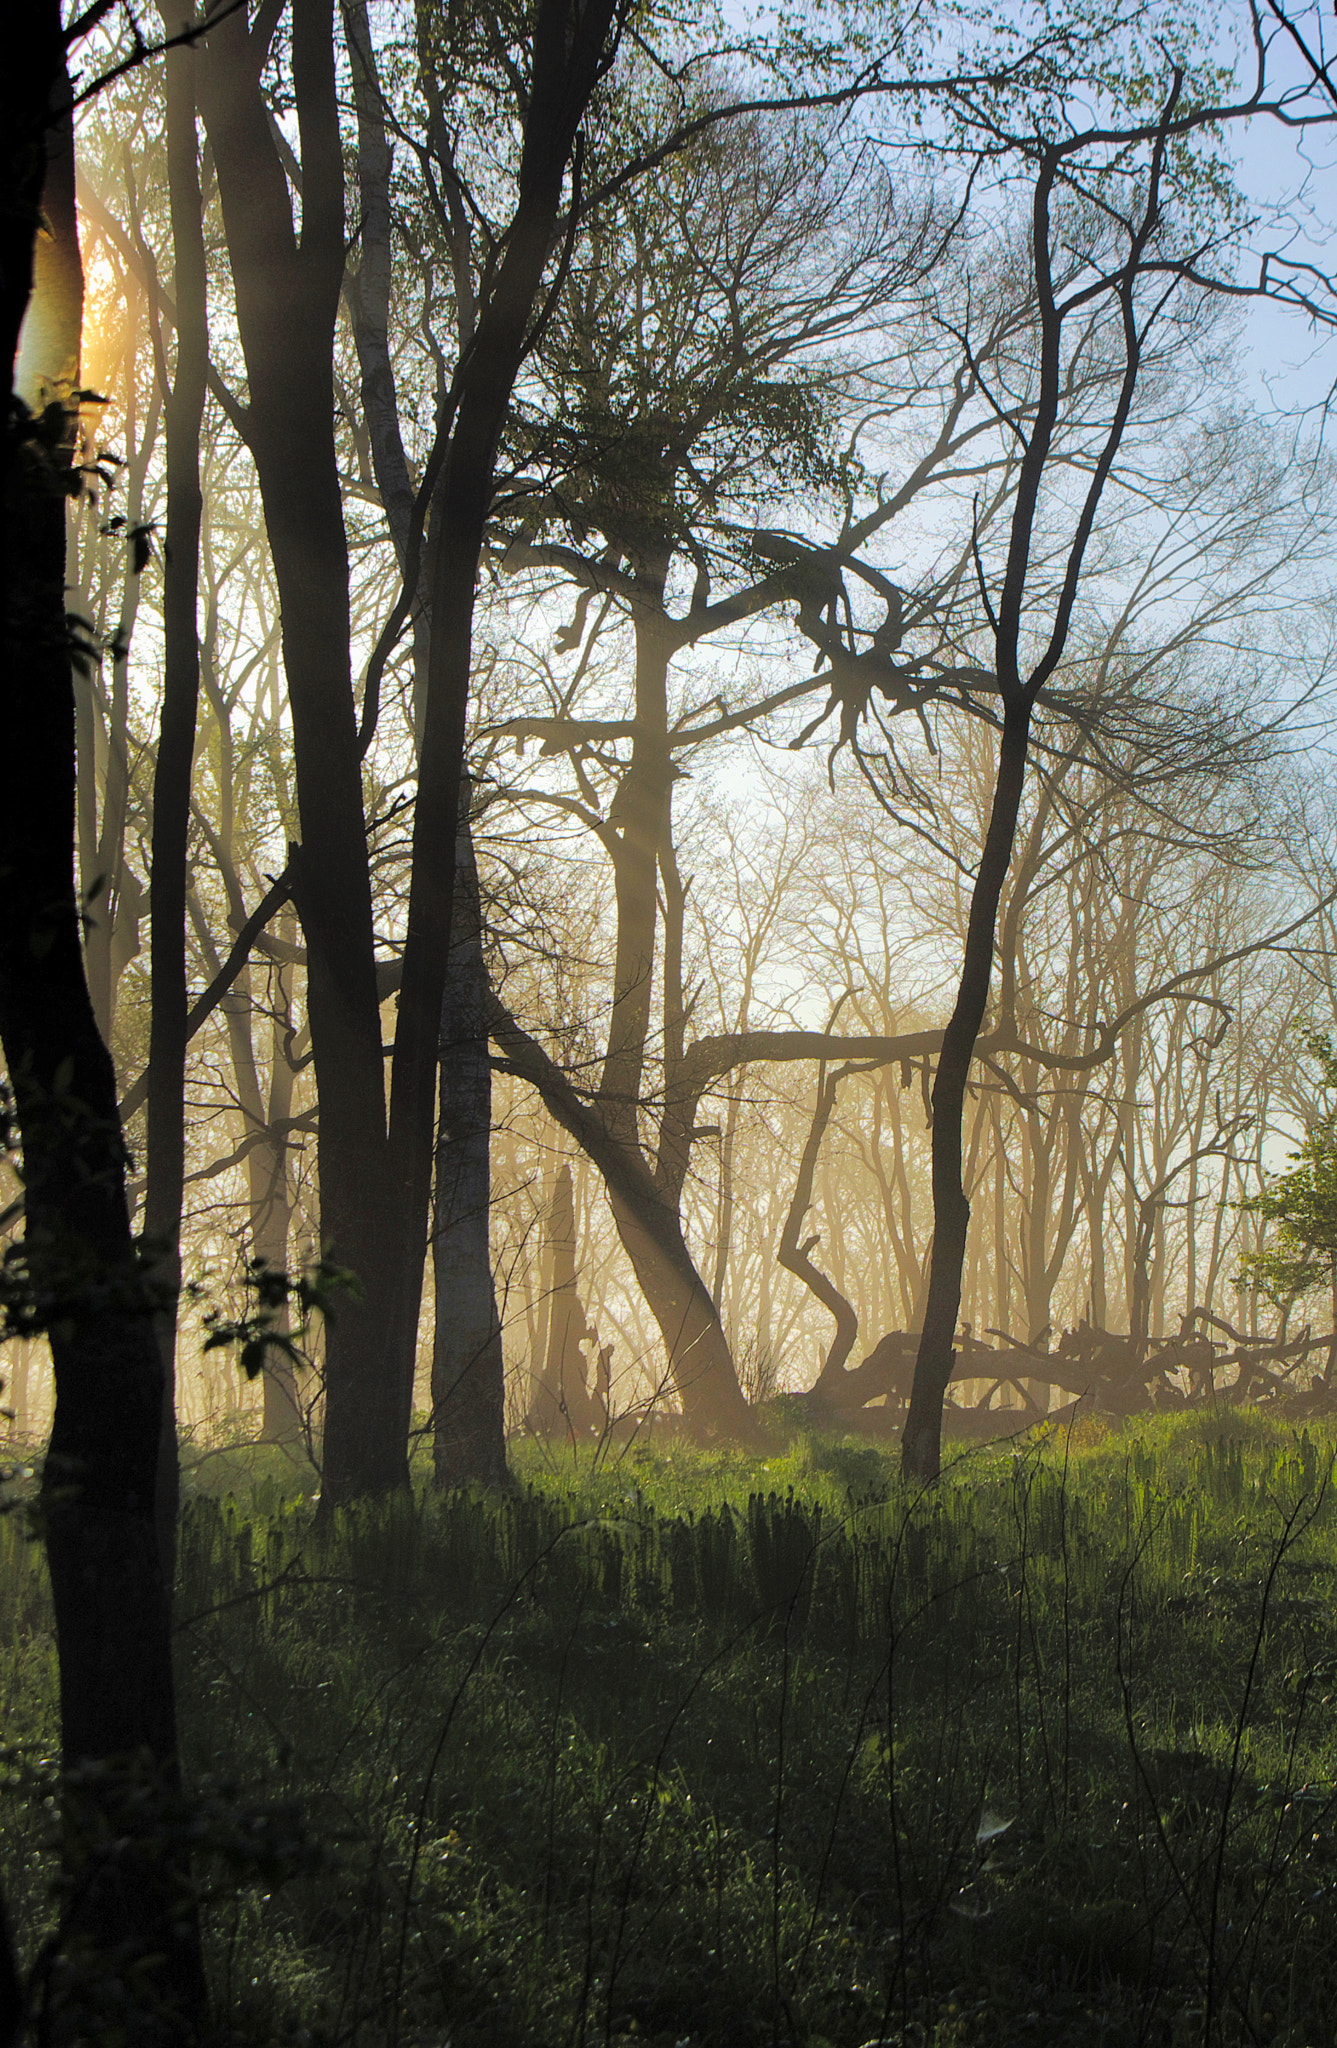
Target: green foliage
(1301,1254)
(281,1308)
(707,1749)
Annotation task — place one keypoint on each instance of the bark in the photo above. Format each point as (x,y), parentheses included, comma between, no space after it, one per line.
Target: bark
(374,1202)
(468,1374)
(796,1257)
(571,48)
(114,896)
(109,1594)
(922,1442)
(468,1371)
(562,1405)
(283,1421)
(287,294)
(700,1362)
(639,829)
(165,1150)
(725,1205)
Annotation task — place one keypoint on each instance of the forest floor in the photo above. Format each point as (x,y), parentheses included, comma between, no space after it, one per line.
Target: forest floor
(684,1750)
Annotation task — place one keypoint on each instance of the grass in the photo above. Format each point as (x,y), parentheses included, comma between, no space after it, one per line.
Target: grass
(692,1750)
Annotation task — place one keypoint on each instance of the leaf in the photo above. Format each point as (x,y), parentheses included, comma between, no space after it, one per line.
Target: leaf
(141,547)
(991,1826)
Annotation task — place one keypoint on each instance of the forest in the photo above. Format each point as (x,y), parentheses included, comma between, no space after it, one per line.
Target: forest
(668,1011)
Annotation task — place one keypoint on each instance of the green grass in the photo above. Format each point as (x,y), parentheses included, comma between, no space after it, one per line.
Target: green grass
(709,1750)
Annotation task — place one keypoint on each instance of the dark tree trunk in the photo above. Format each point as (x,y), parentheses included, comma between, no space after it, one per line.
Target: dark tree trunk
(701,1368)
(922,1442)
(374,1207)
(795,1255)
(284,1417)
(468,1379)
(108,1588)
(165,1152)
(468,1374)
(571,47)
(287,297)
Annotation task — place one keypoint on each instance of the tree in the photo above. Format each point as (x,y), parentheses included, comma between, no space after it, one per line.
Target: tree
(81,1279)
(1301,1203)
(1150,254)
(697,379)
(166,1148)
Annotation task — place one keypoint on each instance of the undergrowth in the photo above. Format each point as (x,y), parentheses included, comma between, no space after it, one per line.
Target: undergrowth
(691,1750)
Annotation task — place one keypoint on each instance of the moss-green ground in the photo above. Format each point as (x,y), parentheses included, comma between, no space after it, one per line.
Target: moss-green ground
(692,1749)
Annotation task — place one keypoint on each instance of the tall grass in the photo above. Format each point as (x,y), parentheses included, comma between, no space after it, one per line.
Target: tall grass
(702,1750)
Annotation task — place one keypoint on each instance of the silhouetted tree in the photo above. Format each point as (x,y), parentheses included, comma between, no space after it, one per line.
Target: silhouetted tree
(83,1280)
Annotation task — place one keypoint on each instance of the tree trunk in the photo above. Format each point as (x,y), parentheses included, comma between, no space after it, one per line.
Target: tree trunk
(110,1598)
(640,822)
(724,1208)
(165,1150)
(922,1443)
(561,1395)
(468,1371)
(468,1376)
(795,1257)
(700,1363)
(283,1420)
(571,47)
(287,297)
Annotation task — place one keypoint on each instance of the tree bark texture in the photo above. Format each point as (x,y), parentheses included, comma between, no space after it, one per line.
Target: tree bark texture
(468,1372)
(571,46)
(922,1442)
(374,1202)
(468,1376)
(165,1151)
(117,1704)
(700,1362)
(796,1255)
(287,293)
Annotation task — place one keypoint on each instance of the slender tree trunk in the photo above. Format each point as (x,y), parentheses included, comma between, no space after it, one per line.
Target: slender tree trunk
(270,1200)
(271,1210)
(468,1370)
(724,1208)
(165,1151)
(542,1321)
(640,824)
(700,1363)
(641,821)
(795,1256)
(922,1442)
(287,297)
(571,48)
(108,1588)
(114,897)
(468,1374)
(561,1403)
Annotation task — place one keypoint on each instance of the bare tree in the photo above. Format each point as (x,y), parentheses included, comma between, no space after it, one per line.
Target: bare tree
(1138,274)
